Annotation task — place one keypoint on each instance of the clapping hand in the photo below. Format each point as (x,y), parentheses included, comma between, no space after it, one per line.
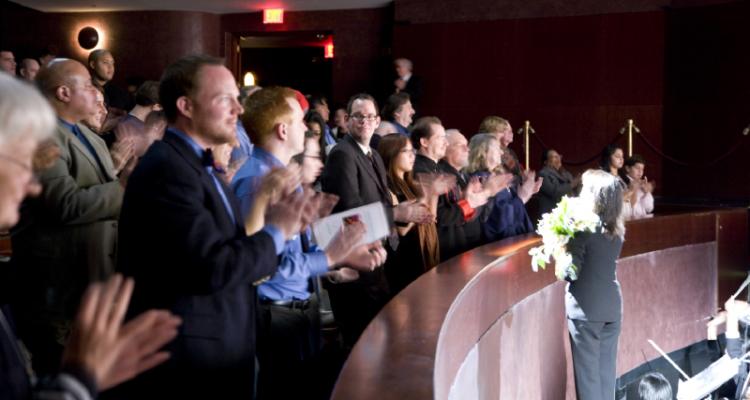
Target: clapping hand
(648,186)
(413,211)
(113,352)
(281,182)
(530,185)
(123,150)
(475,194)
(497,182)
(434,185)
(366,257)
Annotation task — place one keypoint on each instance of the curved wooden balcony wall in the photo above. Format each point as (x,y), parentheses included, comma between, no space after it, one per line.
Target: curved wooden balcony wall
(483,325)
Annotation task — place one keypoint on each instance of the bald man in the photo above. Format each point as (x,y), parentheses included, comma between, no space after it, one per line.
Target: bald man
(29,68)
(67,235)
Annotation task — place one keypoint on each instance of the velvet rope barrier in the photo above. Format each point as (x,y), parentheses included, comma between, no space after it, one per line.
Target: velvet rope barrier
(577,163)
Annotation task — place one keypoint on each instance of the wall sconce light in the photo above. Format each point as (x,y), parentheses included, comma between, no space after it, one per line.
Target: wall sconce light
(88,38)
(248,79)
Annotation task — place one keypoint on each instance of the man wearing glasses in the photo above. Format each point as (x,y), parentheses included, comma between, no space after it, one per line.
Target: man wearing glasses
(356,174)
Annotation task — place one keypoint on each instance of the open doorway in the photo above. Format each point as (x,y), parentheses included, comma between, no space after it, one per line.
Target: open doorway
(295,59)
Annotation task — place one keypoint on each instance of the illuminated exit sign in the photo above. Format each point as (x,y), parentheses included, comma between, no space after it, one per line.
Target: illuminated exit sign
(273,16)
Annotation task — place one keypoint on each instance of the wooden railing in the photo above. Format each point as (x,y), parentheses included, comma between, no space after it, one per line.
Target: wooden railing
(483,325)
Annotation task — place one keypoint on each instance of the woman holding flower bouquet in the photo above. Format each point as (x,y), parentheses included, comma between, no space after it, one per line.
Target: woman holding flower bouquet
(593,301)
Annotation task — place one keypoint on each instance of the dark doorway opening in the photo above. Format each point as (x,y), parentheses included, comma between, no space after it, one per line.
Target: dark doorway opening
(294,59)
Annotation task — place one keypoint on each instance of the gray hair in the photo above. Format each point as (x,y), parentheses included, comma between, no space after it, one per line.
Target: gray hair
(605,193)
(405,62)
(479,145)
(23,112)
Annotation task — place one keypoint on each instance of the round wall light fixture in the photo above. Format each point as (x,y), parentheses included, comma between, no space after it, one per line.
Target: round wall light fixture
(88,38)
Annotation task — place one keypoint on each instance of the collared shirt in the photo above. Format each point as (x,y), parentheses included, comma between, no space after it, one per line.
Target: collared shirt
(328,135)
(76,131)
(365,149)
(241,153)
(296,266)
(271,230)
(401,129)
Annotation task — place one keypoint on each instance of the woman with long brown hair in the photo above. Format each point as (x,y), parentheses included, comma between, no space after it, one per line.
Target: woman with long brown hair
(417,249)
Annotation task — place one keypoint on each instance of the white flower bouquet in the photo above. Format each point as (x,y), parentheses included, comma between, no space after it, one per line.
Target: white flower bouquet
(557,227)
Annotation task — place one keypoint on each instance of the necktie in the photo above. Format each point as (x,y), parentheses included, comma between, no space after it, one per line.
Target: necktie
(208,162)
(82,138)
(377,173)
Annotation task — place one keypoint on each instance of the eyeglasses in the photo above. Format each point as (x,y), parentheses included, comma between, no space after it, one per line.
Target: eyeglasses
(406,151)
(364,118)
(34,179)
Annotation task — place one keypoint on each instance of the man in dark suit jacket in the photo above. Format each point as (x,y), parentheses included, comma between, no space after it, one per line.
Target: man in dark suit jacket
(357,175)
(183,240)
(407,82)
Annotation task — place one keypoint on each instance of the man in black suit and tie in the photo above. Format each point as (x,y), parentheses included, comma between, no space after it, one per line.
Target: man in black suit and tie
(357,175)
(182,238)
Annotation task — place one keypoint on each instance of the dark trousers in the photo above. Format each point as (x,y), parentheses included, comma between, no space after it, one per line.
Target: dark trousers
(594,348)
(288,350)
(355,304)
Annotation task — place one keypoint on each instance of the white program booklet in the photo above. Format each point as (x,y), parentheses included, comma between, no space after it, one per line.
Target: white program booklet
(372,215)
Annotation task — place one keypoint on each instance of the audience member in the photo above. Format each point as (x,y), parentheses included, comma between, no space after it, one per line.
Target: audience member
(406,81)
(95,121)
(356,174)
(508,216)
(146,101)
(28,69)
(101,64)
(612,160)
(316,124)
(557,182)
(429,139)
(417,249)
(339,129)
(7,62)
(654,386)
(501,129)
(289,342)
(398,113)
(101,352)
(319,104)
(182,238)
(460,237)
(639,201)
(242,152)
(47,55)
(68,239)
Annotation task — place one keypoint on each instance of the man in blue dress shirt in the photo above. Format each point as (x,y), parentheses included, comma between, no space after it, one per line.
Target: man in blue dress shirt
(289,341)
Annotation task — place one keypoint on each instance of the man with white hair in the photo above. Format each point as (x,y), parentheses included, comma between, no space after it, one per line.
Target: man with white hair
(102,352)
(406,81)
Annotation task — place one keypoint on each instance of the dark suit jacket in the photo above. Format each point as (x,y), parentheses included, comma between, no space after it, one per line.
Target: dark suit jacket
(595,296)
(187,255)
(457,235)
(555,185)
(349,174)
(414,88)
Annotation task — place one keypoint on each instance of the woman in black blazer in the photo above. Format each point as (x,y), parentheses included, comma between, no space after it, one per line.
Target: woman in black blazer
(593,302)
